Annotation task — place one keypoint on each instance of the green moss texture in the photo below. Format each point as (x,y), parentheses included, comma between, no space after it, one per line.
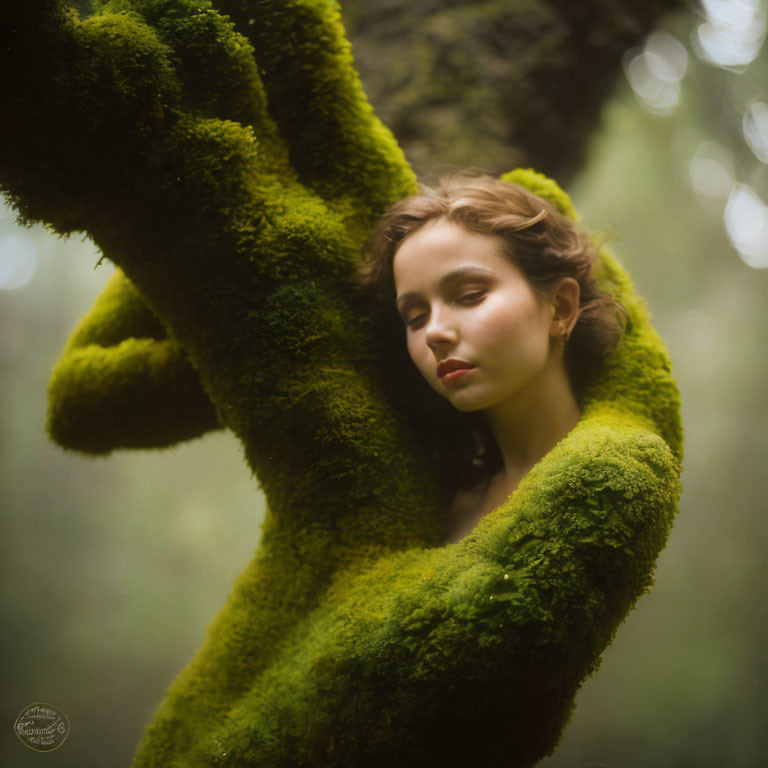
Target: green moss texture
(494,83)
(233,174)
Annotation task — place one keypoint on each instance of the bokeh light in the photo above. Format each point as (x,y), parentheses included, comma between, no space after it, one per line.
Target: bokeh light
(746,223)
(18,261)
(655,72)
(733,33)
(711,171)
(755,128)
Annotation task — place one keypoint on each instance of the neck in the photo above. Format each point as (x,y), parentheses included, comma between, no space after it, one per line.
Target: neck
(528,425)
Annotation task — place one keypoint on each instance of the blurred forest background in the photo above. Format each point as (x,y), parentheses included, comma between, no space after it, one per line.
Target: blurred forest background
(114,566)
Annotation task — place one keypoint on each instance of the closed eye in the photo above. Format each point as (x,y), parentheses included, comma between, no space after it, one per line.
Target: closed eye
(468,299)
(412,322)
(472,298)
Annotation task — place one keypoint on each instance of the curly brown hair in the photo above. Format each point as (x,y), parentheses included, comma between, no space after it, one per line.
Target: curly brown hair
(545,244)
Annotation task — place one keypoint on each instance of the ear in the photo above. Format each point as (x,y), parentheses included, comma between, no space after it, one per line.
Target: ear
(564,298)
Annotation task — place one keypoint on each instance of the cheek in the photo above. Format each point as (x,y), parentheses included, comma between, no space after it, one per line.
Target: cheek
(416,353)
(411,348)
(513,331)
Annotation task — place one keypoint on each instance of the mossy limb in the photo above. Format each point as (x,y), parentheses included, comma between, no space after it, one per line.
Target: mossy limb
(355,637)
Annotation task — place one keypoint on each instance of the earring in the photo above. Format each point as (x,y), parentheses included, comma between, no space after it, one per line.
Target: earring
(563,338)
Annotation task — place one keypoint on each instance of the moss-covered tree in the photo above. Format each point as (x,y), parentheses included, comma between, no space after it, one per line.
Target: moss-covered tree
(495,83)
(227,160)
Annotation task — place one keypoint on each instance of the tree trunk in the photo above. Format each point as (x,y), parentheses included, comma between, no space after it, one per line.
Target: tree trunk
(233,170)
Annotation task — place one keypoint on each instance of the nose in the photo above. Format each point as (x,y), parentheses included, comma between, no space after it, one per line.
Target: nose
(440,331)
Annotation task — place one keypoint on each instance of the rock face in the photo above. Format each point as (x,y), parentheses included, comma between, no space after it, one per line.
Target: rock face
(232,168)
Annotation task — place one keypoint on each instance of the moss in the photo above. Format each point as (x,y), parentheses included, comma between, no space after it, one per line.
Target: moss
(355,637)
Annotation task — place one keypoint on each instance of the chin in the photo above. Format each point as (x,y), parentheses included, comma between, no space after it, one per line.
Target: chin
(465,408)
(465,403)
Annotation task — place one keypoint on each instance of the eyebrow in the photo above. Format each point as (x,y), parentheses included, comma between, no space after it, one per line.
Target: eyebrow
(409,298)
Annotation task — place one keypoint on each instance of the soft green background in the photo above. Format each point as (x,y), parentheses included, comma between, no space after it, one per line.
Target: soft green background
(114,566)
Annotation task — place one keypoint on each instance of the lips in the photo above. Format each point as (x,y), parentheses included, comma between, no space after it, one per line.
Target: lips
(454,364)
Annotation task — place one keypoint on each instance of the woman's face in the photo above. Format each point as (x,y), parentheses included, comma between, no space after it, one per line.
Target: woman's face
(461,299)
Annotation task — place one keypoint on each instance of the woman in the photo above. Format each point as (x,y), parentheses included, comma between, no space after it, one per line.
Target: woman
(502,319)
